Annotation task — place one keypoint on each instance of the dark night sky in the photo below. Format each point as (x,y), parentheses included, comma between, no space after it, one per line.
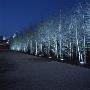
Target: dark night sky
(15,15)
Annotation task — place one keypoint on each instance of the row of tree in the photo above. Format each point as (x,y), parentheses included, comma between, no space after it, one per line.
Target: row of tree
(62,37)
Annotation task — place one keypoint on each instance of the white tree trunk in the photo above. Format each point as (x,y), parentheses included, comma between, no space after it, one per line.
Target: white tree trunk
(36,48)
(84,51)
(31,47)
(56,49)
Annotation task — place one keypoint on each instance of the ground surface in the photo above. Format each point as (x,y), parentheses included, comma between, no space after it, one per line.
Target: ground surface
(24,72)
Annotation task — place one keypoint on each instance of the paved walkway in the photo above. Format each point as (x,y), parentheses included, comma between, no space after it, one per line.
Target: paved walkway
(26,72)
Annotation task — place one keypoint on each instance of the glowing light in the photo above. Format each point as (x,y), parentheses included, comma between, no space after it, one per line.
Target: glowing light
(40,55)
(82,62)
(7,42)
(18,48)
(24,49)
(62,59)
(50,57)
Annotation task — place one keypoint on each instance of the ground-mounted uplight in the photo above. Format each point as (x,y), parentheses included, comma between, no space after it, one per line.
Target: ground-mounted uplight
(82,63)
(40,55)
(62,59)
(49,57)
(7,42)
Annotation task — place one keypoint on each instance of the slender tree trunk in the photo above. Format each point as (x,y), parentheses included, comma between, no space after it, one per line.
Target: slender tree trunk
(49,49)
(41,47)
(60,47)
(36,48)
(84,51)
(31,47)
(70,51)
(56,49)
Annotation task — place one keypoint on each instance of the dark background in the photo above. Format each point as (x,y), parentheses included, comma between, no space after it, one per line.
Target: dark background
(15,15)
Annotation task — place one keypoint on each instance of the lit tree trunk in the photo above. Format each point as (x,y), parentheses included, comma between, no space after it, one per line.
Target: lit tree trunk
(78,52)
(41,47)
(49,49)
(79,56)
(84,51)
(60,36)
(56,48)
(60,47)
(36,48)
(76,42)
(70,51)
(31,47)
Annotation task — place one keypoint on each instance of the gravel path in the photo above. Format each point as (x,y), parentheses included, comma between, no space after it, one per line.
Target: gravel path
(26,72)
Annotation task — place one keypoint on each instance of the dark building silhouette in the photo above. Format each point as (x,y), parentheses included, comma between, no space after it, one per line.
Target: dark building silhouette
(1,38)
(4,43)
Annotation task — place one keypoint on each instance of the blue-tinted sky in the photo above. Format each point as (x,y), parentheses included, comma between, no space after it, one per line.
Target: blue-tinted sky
(15,15)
